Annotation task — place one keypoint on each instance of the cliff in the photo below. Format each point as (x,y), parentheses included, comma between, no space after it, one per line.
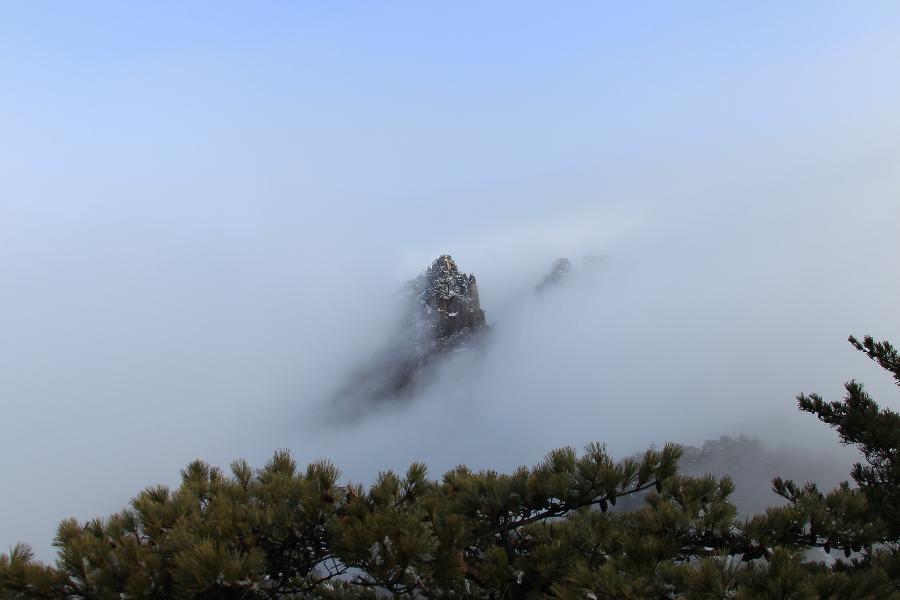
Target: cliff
(446,306)
(442,313)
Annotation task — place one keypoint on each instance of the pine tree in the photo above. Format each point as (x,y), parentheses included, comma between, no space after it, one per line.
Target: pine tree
(553,530)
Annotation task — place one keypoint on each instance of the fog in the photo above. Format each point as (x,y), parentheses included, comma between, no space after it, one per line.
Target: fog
(138,348)
(179,284)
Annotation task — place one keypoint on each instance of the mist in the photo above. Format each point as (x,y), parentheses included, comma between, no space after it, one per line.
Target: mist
(195,277)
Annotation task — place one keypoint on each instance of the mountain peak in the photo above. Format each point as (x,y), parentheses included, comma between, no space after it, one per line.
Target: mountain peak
(447,300)
(443,313)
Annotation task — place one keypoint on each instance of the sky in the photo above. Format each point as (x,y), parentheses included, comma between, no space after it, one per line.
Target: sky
(206,211)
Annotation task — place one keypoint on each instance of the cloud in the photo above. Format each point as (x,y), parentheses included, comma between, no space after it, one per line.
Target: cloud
(198,286)
(145,345)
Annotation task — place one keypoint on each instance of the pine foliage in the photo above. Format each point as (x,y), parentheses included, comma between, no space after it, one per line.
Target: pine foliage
(551,530)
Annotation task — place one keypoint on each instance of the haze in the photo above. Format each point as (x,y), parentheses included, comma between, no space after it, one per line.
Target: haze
(206,213)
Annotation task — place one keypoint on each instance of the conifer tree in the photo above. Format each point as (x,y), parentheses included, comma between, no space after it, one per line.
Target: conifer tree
(553,530)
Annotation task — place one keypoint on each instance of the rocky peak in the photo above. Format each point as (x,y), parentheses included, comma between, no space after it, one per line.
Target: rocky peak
(557,273)
(446,300)
(443,314)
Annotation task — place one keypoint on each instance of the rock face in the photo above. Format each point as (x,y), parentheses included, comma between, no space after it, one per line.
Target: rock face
(557,273)
(446,306)
(751,465)
(442,314)
(562,271)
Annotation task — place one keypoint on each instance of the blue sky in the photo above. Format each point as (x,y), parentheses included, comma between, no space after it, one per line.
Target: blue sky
(414,100)
(206,209)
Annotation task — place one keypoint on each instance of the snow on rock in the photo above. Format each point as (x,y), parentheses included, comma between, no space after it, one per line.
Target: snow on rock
(439,292)
(442,314)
